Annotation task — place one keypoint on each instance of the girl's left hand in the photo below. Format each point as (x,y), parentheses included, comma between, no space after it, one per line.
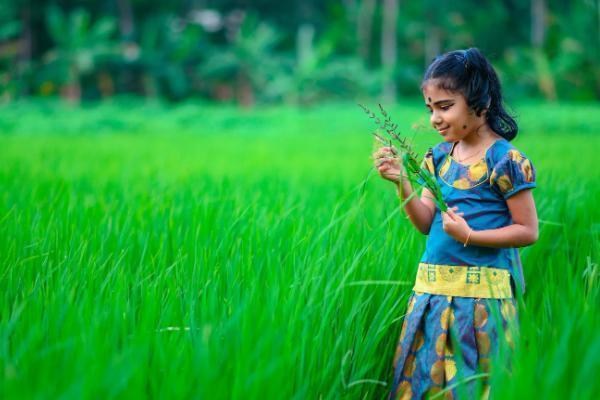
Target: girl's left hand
(455,225)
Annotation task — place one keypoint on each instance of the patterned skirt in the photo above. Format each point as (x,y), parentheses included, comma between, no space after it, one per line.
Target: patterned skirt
(425,362)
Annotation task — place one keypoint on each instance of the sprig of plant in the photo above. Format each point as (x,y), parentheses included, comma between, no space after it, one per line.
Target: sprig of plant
(390,128)
(417,176)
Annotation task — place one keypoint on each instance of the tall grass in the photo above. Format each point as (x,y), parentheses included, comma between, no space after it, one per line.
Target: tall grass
(197,251)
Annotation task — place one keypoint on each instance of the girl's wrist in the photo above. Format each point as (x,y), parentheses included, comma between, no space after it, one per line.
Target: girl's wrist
(400,181)
(400,186)
(469,238)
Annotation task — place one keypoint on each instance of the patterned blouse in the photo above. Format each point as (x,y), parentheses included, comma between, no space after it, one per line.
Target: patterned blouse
(480,191)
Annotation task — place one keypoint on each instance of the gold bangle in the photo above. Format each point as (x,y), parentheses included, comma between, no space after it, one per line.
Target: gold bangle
(468,237)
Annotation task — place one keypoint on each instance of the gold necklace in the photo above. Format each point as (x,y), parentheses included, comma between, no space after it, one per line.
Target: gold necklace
(465,158)
(472,154)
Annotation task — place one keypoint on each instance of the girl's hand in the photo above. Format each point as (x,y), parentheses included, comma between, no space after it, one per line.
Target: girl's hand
(387,163)
(455,225)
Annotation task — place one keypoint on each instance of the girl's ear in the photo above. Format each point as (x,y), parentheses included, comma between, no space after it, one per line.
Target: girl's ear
(486,109)
(487,106)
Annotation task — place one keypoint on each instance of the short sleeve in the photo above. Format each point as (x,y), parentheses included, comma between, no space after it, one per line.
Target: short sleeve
(427,164)
(513,173)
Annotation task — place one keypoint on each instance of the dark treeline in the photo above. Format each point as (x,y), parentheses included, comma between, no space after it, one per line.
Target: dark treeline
(298,51)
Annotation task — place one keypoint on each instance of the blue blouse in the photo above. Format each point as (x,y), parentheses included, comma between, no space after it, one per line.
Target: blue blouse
(480,191)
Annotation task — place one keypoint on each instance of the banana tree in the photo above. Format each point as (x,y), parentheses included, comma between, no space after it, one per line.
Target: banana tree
(167,52)
(80,47)
(12,46)
(249,61)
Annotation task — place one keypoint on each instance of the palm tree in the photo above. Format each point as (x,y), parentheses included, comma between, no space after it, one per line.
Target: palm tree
(248,60)
(80,46)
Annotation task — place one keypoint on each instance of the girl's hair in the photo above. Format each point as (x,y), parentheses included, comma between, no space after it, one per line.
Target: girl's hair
(470,73)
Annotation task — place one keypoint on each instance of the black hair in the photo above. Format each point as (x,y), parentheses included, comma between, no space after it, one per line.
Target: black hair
(470,73)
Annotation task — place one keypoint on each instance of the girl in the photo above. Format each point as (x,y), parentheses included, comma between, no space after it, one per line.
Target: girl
(466,278)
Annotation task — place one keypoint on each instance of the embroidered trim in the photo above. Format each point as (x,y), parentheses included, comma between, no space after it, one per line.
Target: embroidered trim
(448,159)
(463,281)
(448,162)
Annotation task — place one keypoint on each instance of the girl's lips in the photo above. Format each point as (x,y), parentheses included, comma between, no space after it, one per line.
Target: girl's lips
(443,131)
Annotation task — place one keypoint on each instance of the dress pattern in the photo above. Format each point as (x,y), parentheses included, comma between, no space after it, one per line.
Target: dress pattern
(426,361)
(451,332)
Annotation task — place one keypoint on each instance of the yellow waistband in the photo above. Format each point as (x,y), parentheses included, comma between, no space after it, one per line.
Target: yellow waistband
(463,281)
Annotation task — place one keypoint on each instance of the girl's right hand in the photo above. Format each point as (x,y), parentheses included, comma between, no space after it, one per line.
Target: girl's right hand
(387,163)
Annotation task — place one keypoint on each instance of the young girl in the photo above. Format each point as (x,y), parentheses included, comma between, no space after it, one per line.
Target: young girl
(466,278)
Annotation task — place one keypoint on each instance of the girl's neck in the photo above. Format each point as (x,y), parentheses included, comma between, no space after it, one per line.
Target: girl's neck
(482,136)
(474,145)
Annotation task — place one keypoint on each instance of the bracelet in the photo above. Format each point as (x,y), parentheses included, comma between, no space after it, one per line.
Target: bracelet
(468,237)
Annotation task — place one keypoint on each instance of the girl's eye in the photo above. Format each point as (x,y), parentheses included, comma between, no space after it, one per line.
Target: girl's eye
(446,108)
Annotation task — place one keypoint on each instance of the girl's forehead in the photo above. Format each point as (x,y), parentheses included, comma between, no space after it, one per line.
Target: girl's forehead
(433,92)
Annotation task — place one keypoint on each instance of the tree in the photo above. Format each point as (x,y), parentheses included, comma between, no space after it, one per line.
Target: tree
(14,49)
(364,27)
(79,46)
(388,48)
(248,60)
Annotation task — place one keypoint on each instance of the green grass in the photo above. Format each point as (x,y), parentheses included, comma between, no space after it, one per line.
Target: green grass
(202,251)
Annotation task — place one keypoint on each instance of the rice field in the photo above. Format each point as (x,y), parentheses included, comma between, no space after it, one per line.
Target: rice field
(196,251)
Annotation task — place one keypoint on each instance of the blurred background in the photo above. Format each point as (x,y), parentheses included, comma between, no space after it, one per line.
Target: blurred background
(292,52)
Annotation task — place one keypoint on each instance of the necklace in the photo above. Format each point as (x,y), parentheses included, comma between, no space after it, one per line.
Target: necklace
(461,159)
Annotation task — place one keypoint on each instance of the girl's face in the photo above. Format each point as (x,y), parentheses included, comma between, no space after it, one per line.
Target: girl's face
(450,114)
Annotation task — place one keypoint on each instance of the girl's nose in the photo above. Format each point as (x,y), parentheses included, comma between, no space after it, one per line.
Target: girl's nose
(435,119)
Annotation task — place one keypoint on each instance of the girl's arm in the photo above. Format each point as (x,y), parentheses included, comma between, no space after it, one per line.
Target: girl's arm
(522,232)
(420,211)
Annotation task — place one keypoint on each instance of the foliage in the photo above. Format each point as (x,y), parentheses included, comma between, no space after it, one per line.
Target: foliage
(316,73)
(10,28)
(249,60)
(81,45)
(168,51)
(298,53)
